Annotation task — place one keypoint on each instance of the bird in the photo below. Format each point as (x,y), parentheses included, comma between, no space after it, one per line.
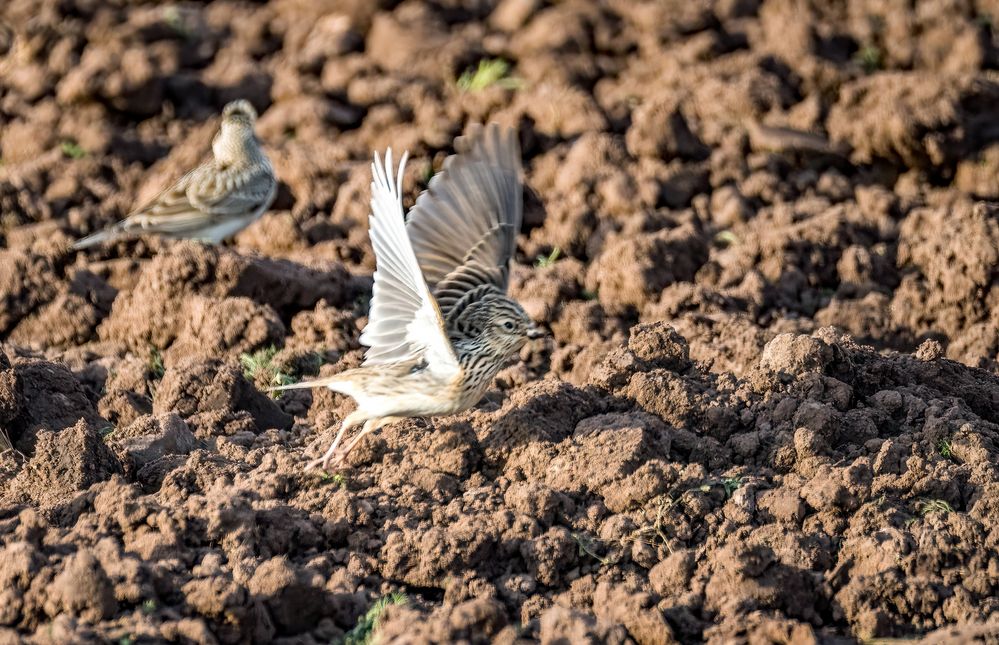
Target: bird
(215,200)
(440,325)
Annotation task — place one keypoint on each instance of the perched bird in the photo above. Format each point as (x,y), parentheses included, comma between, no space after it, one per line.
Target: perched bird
(215,200)
(441,325)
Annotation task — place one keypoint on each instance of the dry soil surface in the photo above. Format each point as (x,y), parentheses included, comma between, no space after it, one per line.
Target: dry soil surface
(768,410)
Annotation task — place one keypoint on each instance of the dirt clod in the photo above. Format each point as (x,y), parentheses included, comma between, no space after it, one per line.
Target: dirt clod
(763,235)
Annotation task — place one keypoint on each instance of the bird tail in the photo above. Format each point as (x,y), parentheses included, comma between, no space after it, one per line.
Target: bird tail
(336,383)
(94,239)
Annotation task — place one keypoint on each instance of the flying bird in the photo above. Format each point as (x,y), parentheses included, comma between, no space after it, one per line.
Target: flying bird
(215,200)
(441,325)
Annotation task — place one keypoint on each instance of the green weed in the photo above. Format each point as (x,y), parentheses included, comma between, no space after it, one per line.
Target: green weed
(261,363)
(931,506)
(154,363)
(72,149)
(336,479)
(731,484)
(870,57)
(548,260)
(491,71)
(363,632)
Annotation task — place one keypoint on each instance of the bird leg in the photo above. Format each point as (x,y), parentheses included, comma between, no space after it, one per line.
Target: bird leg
(369,425)
(349,421)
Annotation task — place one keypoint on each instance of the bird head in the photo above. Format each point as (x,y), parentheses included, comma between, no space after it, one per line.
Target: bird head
(506,327)
(239,110)
(236,137)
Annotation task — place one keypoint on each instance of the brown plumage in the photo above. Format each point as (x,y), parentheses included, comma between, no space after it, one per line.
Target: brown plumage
(441,325)
(215,200)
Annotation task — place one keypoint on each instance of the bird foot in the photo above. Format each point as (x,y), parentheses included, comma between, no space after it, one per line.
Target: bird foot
(315,462)
(334,458)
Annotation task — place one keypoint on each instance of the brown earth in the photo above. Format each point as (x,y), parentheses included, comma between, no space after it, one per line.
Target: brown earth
(768,411)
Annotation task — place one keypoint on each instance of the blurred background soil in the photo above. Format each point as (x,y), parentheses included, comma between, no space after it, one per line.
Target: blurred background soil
(764,236)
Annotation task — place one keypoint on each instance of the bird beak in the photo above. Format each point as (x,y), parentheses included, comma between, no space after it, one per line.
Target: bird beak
(534,332)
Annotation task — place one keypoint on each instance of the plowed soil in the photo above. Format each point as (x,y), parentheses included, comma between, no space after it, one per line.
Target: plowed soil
(767,412)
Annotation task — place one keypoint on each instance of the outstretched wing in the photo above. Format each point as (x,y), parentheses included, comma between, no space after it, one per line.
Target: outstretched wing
(464,227)
(404,323)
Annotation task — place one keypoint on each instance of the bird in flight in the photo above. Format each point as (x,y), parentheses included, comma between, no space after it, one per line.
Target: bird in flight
(441,325)
(215,200)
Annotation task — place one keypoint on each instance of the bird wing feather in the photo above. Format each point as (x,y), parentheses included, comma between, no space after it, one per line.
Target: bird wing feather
(405,323)
(202,197)
(236,192)
(464,226)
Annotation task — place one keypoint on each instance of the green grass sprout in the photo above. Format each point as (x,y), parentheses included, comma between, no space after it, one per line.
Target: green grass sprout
(491,71)
(154,363)
(72,149)
(550,259)
(363,632)
(870,57)
(931,506)
(261,363)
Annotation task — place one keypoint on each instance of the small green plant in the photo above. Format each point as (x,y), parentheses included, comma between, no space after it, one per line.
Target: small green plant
(491,71)
(870,57)
(126,640)
(149,606)
(364,631)
(589,295)
(550,259)
(336,479)
(261,363)
(731,484)
(944,448)
(155,363)
(72,149)
(106,432)
(931,506)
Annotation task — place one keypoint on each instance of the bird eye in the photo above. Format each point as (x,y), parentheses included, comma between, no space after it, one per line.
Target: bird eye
(507,325)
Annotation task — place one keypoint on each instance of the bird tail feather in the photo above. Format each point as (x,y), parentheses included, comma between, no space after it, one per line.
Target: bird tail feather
(96,238)
(335,383)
